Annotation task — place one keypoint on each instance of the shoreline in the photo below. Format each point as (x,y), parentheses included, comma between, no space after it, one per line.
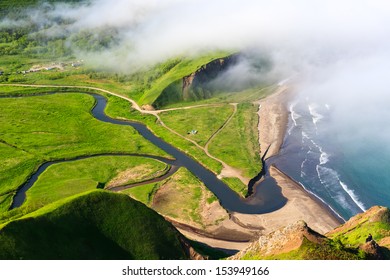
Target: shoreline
(273,123)
(301,205)
(320,203)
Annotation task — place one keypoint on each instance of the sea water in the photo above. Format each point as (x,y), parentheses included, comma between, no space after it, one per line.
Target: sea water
(349,178)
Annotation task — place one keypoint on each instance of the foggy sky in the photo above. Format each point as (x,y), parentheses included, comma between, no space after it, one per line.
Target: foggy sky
(338,51)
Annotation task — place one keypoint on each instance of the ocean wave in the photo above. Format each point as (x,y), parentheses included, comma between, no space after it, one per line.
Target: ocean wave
(324,156)
(323,201)
(314,114)
(303,173)
(353,196)
(294,115)
(330,179)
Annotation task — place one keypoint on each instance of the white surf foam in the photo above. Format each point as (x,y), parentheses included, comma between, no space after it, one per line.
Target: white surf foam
(323,201)
(353,196)
(329,178)
(324,157)
(294,115)
(316,117)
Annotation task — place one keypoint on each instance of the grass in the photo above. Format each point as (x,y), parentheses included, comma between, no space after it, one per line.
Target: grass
(5,202)
(237,144)
(120,108)
(184,68)
(180,197)
(38,129)
(16,166)
(95,225)
(236,185)
(359,234)
(327,250)
(206,120)
(244,96)
(69,178)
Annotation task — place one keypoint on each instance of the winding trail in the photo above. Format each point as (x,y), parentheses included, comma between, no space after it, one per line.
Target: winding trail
(227,171)
(267,200)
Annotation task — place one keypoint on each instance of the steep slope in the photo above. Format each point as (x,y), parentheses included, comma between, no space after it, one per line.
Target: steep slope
(95,225)
(356,231)
(195,85)
(349,241)
(166,81)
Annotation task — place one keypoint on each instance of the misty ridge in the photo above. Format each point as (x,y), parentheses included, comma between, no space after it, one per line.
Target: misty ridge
(335,52)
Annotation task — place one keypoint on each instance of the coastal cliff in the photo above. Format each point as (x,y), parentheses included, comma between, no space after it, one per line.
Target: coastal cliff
(364,236)
(197,85)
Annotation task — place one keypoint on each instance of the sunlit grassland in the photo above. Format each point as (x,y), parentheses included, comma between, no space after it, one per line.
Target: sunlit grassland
(205,120)
(42,128)
(236,185)
(181,197)
(237,144)
(120,108)
(66,179)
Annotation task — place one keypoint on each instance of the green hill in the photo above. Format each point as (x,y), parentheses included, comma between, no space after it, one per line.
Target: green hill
(95,225)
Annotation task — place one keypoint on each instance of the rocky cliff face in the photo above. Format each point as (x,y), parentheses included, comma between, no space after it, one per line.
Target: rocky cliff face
(365,236)
(195,86)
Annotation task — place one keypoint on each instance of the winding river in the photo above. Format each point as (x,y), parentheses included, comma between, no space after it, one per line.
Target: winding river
(267,196)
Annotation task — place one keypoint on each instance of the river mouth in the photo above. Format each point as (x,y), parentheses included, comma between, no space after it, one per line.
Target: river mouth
(267,196)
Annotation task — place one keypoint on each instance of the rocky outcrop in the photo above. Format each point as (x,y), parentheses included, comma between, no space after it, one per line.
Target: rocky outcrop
(372,215)
(197,83)
(373,250)
(351,240)
(282,241)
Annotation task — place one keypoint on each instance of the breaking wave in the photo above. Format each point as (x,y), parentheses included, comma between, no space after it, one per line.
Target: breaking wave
(353,196)
(314,114)
(323,201)
(330,179)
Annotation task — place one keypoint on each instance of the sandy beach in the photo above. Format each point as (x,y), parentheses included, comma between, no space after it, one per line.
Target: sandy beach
(273,119)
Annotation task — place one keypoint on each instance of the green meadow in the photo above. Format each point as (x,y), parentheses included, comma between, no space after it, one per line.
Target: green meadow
(181,197)
(205,120)
(66,179)
(60,126)
(237,144)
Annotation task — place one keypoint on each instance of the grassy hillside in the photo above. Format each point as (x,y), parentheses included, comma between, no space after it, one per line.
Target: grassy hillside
(96,225)
(184,67)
